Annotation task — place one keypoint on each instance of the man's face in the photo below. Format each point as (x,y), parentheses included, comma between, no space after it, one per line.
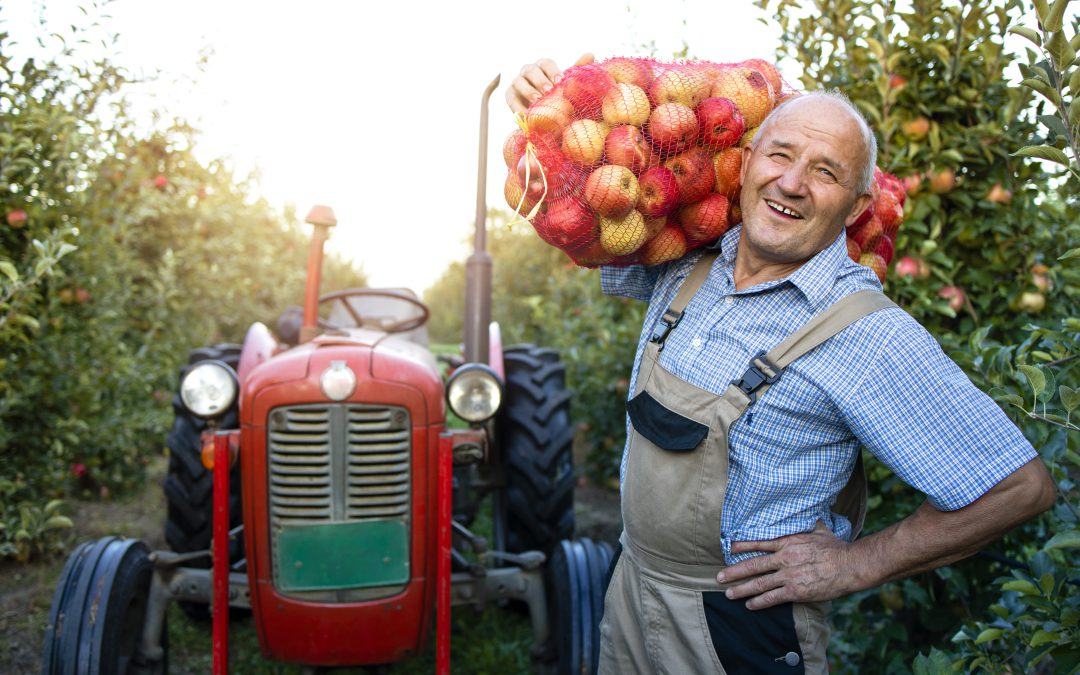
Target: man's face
(800,185)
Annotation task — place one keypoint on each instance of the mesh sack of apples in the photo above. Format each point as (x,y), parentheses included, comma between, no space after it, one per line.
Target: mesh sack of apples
(636,161)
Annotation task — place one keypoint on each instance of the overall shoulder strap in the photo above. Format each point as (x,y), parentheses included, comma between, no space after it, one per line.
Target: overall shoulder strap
(765,368)
(674,312)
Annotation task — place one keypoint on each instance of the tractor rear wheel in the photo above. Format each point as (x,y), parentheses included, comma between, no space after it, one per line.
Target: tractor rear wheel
(536,436)
(99,610)
(189,485)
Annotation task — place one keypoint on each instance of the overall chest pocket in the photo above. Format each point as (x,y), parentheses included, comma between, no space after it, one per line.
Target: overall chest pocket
(663,427)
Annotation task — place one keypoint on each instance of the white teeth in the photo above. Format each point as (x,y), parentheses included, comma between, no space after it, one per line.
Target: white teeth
(783,209)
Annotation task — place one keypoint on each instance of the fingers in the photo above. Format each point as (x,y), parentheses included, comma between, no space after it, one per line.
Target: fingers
(534,80)
(770,545)
(772,598)
(748,568)
(585,59)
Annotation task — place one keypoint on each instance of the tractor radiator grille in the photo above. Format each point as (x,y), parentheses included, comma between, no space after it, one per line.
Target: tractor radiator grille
(336,463)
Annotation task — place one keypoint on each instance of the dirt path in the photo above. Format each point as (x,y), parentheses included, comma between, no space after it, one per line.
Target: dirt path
(26,590)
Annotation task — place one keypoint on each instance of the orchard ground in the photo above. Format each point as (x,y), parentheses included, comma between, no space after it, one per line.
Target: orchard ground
(497,642)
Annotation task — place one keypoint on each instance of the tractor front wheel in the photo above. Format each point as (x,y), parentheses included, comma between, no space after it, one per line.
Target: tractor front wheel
(98,612)
(576,579)
(536,438)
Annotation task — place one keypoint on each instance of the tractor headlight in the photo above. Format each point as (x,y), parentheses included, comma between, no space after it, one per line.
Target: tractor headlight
(209,389)
(474,392)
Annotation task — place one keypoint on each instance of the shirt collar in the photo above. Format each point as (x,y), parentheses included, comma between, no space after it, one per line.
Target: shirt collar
(814,279)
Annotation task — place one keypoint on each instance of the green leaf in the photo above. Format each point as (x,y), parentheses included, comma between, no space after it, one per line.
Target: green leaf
(1060,49)
(1074,112)
(988,635)
(1074,82)
(52,506)
(1041,637)
(64,249)
(59,523)
(1025,587)
(1054,123)
(1041,10)
(1071,253)
(1069,539)
(1042,87)
(1046,152)
(1070,398)
(876,47)
(1046,583)
(1035,377)
(1028,33)
(941,51)
(1053,20)
(9,270)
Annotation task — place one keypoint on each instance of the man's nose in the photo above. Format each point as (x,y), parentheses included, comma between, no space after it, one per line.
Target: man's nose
(793,180)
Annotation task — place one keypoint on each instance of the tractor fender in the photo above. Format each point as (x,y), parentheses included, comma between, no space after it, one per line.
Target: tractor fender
(495,350)
(259,345)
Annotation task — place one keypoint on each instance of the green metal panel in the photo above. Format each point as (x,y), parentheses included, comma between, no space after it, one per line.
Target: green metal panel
(342,555)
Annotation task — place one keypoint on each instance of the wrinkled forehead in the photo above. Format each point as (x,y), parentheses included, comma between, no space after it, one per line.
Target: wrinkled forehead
(827,126)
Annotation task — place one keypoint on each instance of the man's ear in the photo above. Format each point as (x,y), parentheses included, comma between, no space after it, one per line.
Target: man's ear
(863,202)
(746,152)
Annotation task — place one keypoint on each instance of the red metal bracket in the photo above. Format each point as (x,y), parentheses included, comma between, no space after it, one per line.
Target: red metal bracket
(220,551)
(442,568)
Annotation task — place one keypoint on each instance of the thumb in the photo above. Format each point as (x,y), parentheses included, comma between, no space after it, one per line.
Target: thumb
(585,59)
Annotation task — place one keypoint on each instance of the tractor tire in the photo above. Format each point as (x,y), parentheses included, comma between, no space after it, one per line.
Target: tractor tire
(574,583)
(536,438)
(98,612)
(189,486)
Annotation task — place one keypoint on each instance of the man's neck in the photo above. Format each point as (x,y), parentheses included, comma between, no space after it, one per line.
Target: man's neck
(750,272)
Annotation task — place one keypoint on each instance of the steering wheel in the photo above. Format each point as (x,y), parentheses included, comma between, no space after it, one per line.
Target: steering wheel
(402,326)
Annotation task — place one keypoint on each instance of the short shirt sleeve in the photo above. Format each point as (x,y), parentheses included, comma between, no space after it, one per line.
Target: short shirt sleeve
(918,413)
(636,281)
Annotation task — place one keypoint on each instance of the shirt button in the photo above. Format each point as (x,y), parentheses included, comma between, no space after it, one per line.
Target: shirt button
(696,342)
(728,300)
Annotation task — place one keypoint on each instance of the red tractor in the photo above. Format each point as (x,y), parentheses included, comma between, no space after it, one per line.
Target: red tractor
(313,480)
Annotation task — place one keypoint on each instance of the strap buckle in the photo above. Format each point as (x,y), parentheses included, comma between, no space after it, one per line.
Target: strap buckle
(670,319)
(761,372)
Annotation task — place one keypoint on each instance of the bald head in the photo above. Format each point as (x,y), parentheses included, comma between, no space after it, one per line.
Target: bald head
(833,98)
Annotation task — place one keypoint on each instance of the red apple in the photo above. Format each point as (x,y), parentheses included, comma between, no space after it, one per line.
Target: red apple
(583,141)
(999,195)
(679,84)
(1040,277)
(16,218)
(161,182)
(720,122)
(693,174)
(549,165)
(515,194)
(772,75)
(749,90)
(706,220)
(612,190)
(532,176)
(514,147)
(736,212)
(876,263)
(82,295)
(622,235)
(727,166)
(868,234)
(585,87)
(626,146)
(863,217)
(673,127)
(625,104)
(568,224)
(853,249)
(896,81)
(890,212)
(669,244)
(66,296)
(955,296)
(592,254)
(551,114)
(659,192)
(917,128)
(907,267)
(943,181)
(629,71)
(884,248)
(912,183)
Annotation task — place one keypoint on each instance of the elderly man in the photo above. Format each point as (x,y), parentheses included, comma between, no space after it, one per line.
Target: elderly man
(768,488)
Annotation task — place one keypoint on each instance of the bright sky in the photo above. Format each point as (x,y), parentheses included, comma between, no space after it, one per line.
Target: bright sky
(373,108)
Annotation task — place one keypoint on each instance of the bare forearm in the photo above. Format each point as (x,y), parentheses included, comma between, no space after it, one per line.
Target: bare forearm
(929,538)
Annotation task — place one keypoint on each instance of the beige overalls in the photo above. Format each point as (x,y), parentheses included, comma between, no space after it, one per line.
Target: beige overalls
(664,612)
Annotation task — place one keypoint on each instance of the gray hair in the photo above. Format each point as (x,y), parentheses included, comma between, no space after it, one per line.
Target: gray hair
(866,176)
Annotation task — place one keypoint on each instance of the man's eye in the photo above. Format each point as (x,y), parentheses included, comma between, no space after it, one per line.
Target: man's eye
(828,174)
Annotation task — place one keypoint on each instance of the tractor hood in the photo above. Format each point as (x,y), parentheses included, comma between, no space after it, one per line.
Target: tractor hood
(372,355)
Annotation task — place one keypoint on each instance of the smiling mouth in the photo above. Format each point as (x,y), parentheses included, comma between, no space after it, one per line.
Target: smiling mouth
(779,208)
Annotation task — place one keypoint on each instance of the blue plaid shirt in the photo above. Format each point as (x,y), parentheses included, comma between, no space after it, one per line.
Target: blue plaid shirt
(883,383)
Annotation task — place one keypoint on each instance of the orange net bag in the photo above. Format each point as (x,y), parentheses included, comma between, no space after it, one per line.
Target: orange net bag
(636,161)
